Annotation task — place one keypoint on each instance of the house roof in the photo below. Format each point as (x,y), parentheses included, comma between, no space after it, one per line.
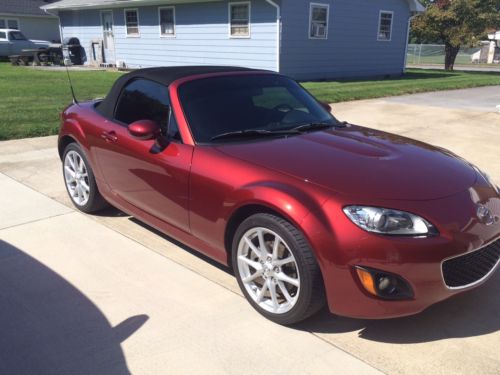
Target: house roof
(415,5)
(98,4)
(24,7)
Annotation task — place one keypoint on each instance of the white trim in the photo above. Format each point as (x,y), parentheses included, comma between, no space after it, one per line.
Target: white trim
(278,34)
(138,35)
(319,5)
(379,24)
(229,5)
(159,22)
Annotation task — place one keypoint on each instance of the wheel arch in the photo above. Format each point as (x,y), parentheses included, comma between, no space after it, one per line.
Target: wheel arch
(71,131)
(64,141)
(240,215)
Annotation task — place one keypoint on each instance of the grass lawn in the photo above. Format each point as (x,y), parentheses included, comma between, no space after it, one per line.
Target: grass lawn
(31,100)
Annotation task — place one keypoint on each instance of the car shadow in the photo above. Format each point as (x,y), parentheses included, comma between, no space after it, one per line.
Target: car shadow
(472,313)
(47,326)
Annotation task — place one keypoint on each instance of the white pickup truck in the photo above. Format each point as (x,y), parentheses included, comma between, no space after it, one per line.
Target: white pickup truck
(12,42)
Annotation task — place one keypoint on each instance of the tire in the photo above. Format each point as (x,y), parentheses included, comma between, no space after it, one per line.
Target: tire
(80,182)
(289,268)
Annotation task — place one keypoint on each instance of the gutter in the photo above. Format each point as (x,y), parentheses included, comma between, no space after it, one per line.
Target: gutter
(278,33)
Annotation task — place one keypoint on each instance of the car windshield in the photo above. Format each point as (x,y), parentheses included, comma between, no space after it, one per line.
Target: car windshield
(17,35)
(246,106)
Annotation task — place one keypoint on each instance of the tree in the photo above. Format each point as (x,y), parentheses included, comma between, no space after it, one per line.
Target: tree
(457,23)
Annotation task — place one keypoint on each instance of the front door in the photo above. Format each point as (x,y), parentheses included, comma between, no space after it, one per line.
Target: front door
(155,181)
(108,37)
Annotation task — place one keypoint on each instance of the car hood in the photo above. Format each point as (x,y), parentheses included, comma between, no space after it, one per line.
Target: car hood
(362,162)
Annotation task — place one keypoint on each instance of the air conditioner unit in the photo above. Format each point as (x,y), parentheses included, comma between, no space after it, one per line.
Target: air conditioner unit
(321,31)
(318,30)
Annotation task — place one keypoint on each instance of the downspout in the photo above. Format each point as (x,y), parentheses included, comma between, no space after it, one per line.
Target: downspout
(278,33)
(408,40)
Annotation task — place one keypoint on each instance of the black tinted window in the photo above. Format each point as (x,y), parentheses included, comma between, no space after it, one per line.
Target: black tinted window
(146,100)
(219,105)
(2,35)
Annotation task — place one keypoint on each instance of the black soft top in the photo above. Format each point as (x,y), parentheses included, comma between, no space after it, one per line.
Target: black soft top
(162,75)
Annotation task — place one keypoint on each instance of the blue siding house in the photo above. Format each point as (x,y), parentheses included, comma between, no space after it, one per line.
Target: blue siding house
(318,39)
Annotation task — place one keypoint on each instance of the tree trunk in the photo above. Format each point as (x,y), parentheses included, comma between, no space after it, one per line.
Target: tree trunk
(451,53)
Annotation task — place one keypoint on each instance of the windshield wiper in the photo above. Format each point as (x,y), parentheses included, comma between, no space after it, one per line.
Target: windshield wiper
(253,133)
(313,126)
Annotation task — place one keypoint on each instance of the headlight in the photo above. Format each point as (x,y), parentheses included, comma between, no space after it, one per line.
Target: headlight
(388,221)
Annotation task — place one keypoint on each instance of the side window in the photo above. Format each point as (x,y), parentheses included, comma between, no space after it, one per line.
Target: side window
(318,21)
(146,100)
(385,26)
(132,22)
(3,35)
(167,21)
(13,24)
(239,20)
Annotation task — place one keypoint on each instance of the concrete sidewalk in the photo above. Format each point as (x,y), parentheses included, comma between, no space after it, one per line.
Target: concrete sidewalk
(80,298)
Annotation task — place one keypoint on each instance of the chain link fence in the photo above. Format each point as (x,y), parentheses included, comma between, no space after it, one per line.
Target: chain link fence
(424,54)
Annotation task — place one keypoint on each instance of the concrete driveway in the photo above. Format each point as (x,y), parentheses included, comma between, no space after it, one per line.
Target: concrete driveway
(107,294)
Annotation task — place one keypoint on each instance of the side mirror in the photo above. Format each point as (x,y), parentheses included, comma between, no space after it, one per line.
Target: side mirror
(144,130)
(326,106)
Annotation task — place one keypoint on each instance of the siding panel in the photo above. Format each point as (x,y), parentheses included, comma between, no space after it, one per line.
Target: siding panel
(202,36)
(352,49)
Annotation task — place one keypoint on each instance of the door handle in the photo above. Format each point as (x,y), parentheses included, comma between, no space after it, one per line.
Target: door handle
(109,136)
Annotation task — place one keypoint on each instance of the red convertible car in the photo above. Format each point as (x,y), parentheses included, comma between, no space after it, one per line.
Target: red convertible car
(248,168)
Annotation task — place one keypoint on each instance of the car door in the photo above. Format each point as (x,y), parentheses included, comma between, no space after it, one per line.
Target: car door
(4,44)
(151,178)
(18,42)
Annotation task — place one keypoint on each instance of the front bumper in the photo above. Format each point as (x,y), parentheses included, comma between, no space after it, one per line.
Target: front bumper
(419,261)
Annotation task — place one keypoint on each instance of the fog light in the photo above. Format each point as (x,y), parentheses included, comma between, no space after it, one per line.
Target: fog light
(383,284)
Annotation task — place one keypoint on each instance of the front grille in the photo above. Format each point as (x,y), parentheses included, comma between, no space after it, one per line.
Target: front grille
(470,268)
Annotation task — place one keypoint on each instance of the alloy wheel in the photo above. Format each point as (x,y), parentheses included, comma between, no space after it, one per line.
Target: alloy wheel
(268,270)
(77,178)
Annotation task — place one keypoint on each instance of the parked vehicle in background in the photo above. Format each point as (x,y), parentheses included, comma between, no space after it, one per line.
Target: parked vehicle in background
(13,42)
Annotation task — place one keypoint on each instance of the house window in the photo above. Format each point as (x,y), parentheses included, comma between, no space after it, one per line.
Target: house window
(167,21)
(9,23)
(13,24)
(318,21)
(132,22)
(385,26)
(239,20)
